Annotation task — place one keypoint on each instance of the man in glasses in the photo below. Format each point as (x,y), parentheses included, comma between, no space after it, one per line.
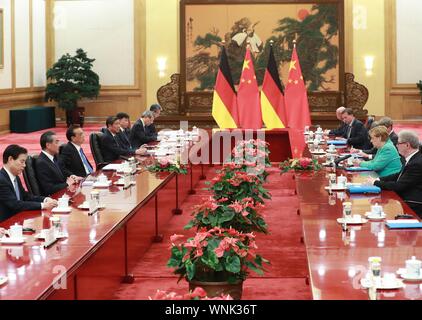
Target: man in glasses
(408,182)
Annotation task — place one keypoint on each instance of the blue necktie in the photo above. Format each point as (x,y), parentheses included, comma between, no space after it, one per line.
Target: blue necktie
(85,161)
(15,183)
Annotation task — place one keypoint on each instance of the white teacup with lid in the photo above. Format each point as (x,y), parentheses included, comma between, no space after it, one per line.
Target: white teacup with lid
(16,231)
(102,178)
(376,209)
(63,202)
(413,267)
(331,147)
(341,180)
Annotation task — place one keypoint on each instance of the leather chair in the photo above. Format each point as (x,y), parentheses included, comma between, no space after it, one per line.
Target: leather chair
(30,176)
(95,145)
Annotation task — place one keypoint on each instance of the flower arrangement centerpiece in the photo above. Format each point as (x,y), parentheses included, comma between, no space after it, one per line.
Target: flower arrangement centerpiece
(243,215)
(300,164)
(197,294)
(167,165)
(235,185)
(215,255)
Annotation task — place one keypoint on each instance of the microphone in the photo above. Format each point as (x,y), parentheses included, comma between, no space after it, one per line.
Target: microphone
(338,160)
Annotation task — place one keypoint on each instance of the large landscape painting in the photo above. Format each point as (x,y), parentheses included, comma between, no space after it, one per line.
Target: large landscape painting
(315,26)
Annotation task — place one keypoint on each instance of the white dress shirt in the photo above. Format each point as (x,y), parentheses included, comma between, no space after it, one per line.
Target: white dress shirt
(78,148)
(49,156)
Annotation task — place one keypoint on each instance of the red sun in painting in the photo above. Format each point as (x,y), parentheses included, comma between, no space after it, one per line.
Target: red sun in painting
(302,14)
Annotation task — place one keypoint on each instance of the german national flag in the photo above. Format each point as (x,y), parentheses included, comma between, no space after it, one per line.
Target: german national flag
(224,105)
(272,98)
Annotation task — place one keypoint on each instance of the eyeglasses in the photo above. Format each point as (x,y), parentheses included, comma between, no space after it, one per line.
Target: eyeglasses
(401,143)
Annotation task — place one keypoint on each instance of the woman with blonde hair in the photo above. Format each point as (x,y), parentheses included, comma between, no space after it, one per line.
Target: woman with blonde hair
(387,159)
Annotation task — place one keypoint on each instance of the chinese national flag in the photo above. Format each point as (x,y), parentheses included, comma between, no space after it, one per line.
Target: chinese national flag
(272,98)
(224,104)
(248,96)
(297,106)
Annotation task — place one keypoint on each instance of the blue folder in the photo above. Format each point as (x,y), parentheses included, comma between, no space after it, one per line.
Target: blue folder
(364,189)
(337,142)
(358,169)
(404,225)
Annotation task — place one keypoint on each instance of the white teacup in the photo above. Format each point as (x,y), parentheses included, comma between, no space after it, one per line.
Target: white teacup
(413,267)
(332,147)
(44,233)
(376,209)
(342,180)
(102,178)
(389,279)
(16,231)
(63,202)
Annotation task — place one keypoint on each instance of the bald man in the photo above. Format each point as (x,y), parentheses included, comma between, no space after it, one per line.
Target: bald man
(342,128)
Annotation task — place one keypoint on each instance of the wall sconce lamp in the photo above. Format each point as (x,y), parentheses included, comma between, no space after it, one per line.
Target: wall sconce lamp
(161,66)
(369,65)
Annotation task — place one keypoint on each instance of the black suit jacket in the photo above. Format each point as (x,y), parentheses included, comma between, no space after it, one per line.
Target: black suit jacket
(409,185)
(9,203)
(50,177)
(139,136)
(358,136)
(394,138)
(70,161)
(340,130)
(151,131)
(123,138)
(111,149)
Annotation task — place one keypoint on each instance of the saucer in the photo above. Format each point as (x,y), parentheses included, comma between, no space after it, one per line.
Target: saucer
(352,221)
(3,280)
(372,216)
(320,152)
(59,235)
(102,184)
(7,240)
(402,273)
(82,207)
(121,183)
(397,284)
(336,188)
(61,210)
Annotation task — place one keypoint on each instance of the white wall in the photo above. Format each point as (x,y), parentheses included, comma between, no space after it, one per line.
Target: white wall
(409,45)
(105,30)
(38,42)
(22,40)
(6,72)
(22,56)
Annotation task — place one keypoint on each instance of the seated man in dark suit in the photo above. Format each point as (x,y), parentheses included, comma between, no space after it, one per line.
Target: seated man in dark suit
(340,130)
(50,176)
(408,182)
(139,134)
(110,147)
(13,197)
(355,133)
(72,159)
(151,130)
(124,134)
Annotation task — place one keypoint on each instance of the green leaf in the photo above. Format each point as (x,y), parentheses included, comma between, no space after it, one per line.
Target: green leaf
(190,269)
(233,264)
(254,268)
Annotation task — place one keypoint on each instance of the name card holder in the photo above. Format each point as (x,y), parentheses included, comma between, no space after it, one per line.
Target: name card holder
(50,238)
(93,207)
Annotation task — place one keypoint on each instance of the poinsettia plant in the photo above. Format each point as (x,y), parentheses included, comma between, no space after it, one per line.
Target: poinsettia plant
(235,185)
(253,150)
(243,215)
(300,164)
(197,294)
(214,255)
(167,165)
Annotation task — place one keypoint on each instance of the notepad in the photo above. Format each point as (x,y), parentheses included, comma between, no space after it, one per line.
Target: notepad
(409,224)
(364,189)
(337,142)
(358,169)
(112,166)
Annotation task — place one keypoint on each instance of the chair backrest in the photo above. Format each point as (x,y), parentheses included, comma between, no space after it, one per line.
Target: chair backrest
(95,145)
(30,176)
(369,122)
(61,148)
(103,130)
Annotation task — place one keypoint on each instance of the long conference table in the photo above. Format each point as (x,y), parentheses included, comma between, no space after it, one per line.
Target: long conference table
(101,249)
(338,259)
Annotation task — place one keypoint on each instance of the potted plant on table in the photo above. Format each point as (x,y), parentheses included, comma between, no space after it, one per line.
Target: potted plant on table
(218,260)
(300,164)
(71,79)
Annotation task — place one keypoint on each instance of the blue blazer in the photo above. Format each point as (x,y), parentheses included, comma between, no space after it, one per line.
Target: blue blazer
(9,203)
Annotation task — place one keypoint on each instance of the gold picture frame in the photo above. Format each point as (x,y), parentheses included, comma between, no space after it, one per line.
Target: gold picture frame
(1,39)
